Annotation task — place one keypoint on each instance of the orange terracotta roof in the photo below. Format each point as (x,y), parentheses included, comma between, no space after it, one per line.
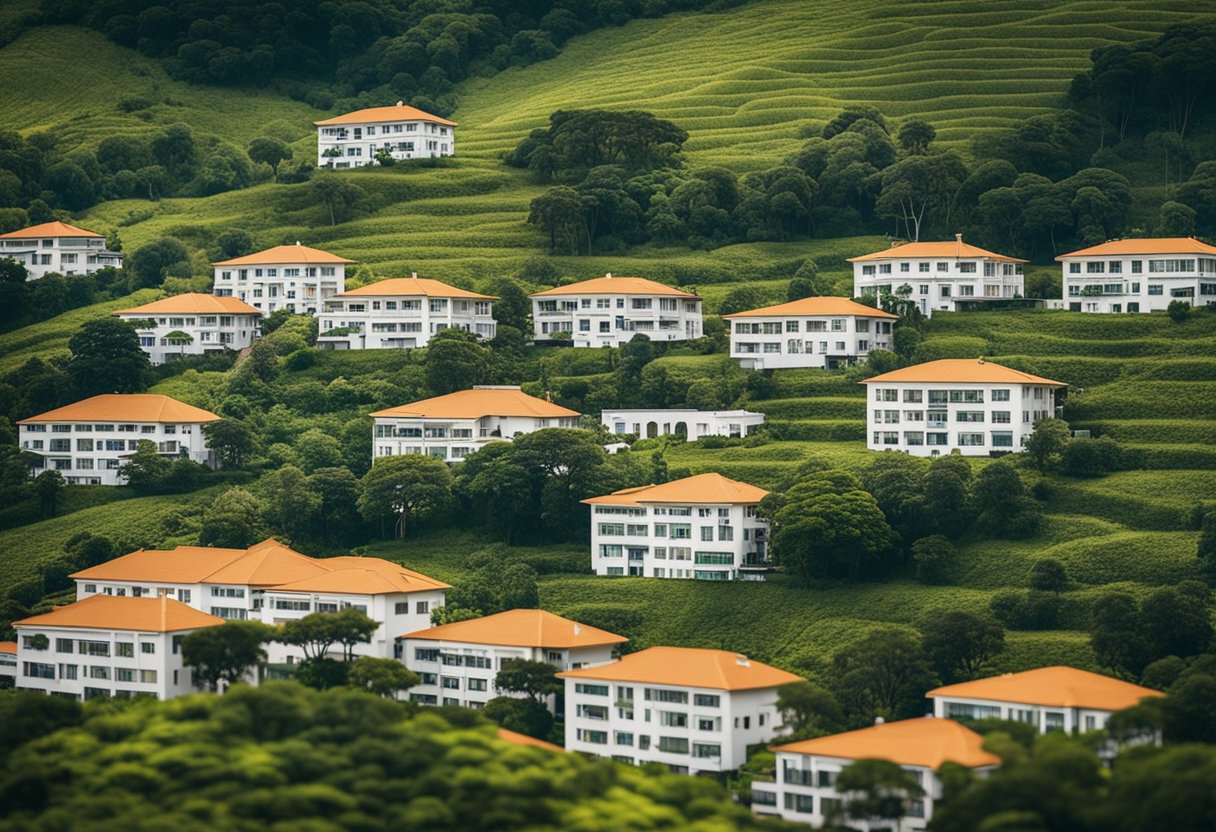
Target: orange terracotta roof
(399,112)
(688,667)
(192,303)
(49,229)
(955,248)
(284,255)
(610,285)
(412,286)
(961,371)
(924,742)
(521,628)
(702,488)
(524,739)
(107,612)
(480,402)
(126,407)
(815,306)
(1056,687)
(8,647)
(363,576)
(267,564)
(1145,245)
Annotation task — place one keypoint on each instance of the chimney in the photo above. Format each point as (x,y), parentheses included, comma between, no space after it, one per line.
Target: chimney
(879,720)
(608,276)
(958,237)
(297,242)
(400,103)
(414,275)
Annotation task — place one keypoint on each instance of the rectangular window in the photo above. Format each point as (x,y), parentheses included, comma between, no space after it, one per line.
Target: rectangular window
(673,745)
(124,650)
(591,689)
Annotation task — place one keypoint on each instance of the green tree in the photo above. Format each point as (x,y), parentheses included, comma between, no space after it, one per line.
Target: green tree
(877,791)
(808,710)
(233,520)
(148,264)
(231,440)
(917,189)
(885,673)
(383,677)
(26,715)
(107,358)
(405,488)
(353,627)
(558,212)
(523,716)
(535,680)
(322,673)
(269,151)
(935,558)
(1045,446)
(48,485)
(1176,220)
(338,489)
(314,634)
(337,195)
(744,299)
(291,504)
(915,136)
(1001,505)
(454,361)
(1049,575)
(145,468)
(959,644)
(1179,311)
(1115,634)
(227,652)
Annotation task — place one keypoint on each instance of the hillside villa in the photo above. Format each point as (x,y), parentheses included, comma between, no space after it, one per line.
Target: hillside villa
(296,278)
(1139,275)
(647,423)
(193,324)
(404,132)
(58,248)
(824,332)
(401,313)
(608,311)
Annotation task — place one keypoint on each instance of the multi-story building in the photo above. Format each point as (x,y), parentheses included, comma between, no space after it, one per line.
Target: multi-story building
(401,313)
(704,527)
(689,423)
(405,132)
(692,710)
(8,664)
(458,662)
(106,646)
(608,311)
(193,324)
(296,278)
(58,248)
(453,426)
(938,274)
(88,442)
(823,332)
(970,405)
(1142,275)
(805,787)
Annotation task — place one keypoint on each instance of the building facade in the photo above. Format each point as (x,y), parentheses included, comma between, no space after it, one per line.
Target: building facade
(812,332)
(404,132)
(973,406)
(1143,275)
(688,423)
(296,278)
(193,324)
(8,664)
(401,313)
(58,248)
(608,311)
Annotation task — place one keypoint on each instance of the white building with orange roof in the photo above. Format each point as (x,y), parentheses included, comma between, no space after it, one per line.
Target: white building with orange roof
(976,407)
(608,311)
(453,426)
(1139,275)
(805,787)
(825,332)
(296,278)
(458,662)
(193,324)
(937,274)
(353,140)
(402,313)
(689,709)
(88,442)
(105,646)
(704,527)
(8,664)
(58,248)
(686,422)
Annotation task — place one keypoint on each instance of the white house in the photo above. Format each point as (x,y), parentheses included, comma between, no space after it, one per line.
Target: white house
(805,787)
(453,426)
(296,278)
(1139,275)
(971,405)
(59,248)
(193,324)
(704,527)
(87,442)
(458,662)
(692,424)
(692,710)
(608,311)
(825,332)
(106,646)
(937,274)
(401,313)
(354,139)
(8,664)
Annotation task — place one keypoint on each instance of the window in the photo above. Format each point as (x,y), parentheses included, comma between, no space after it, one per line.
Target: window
(63,645)
(706,750)
(147,647)
(673,719)
(124,650)
(623,738)
(450,682)
(426,654)
(592,737)
(590,689)
(477,684)
(673,745)
(801,803)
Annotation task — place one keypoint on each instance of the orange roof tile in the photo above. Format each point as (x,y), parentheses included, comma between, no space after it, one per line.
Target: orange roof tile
(688,667)
(107,612)
(280,255)
(363,576)
(480,402)
(1144,245)
(412,286)
(815,306)
(8,647)
(192,303)
(701,488)
(961,371)
(924,742)
(49,229)
(399,112)
(955,248)
(610,285)
(267,564)
(521,628)
(126,407)
(1056,687)
(523,739)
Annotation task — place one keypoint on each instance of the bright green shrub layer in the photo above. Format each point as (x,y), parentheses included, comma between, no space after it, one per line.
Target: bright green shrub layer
(808,382)
(815,408)
(1140,399)
(806,430)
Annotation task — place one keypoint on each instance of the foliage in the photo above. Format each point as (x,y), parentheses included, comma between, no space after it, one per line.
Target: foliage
(107,358)
(405,488)
(959,644)
(535,680)
(885,673)
(233,520)
(808,710)
(383,677)
(877,790)
(226,652)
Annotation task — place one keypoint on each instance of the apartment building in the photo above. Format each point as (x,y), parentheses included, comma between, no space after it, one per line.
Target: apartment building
(937,274)
(193,324)
(689,709)
(8,664)
(805,787)
(58,248)
(453,426)
(704,527)
(401,313)
(404,132)
(608,311)
(691,424)
(1140,275)
(974,406)
(822,332)
(88,442)
(105,646)
(458,662)
(296,278)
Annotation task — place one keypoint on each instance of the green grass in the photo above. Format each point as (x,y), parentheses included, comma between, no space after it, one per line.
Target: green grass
(50,337)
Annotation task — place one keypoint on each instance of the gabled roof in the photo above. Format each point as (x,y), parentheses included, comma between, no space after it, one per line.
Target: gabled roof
(107,612)
(961,371)
(280,255)
(815,306)
(267,564)
(8,647)
(927,742)
(363,576)
(192,303)
(955,248)
(610,285)
(400,112)
(523,739)
(126,407)
(712,489)
(480,402)
(412,286)
(688,667)
(1144,245)
(1055,687)
(49,229)
(520,628)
